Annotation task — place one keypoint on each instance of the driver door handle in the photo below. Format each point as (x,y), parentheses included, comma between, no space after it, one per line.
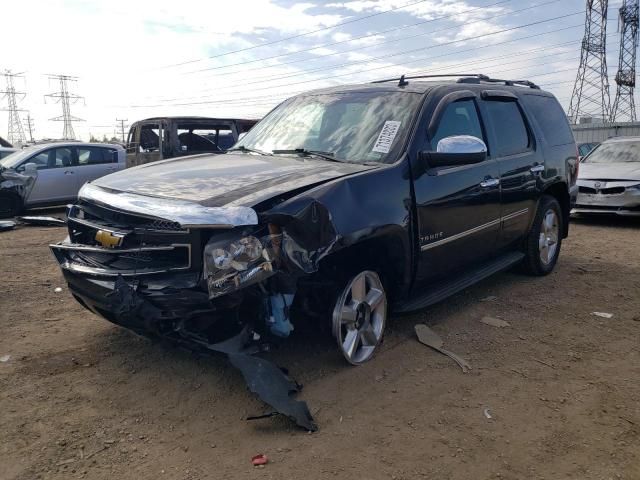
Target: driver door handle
(69,172)
(537,169)
(490,182)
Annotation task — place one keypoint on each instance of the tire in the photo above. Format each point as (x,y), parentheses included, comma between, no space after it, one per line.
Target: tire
(10,205)
(360,316)
(543,242)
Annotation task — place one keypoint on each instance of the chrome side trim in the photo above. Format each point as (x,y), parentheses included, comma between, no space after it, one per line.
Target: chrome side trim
(186,213)
(474,230)
(460,235)
(515,214)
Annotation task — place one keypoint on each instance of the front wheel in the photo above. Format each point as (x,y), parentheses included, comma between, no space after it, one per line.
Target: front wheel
(544,240)
(360,316)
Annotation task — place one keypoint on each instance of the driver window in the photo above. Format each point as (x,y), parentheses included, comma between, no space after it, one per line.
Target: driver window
(459,118)
(54,158)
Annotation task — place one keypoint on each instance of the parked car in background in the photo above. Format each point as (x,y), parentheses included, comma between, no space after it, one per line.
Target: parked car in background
(168,137)
(609,179)
(6,151)
(339,206)
(52,174)
(585,148)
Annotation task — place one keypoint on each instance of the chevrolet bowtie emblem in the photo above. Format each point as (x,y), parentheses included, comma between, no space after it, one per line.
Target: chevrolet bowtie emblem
(109,239)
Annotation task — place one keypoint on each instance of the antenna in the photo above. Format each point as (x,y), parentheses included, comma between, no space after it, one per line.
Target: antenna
(624,106)
(15,132)
(590,96)
(66,99)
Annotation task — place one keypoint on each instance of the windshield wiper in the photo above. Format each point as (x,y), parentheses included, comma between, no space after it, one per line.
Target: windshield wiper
(303,151)
(244,149)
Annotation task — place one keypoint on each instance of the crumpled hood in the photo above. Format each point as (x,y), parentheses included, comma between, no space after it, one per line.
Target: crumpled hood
(231,179)
(610,171)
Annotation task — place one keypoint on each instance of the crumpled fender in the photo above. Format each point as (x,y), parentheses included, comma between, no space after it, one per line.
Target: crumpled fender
(345,212)
(17,182)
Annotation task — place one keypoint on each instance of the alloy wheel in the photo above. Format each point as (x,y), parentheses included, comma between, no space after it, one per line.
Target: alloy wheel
(359,317)
(548,241)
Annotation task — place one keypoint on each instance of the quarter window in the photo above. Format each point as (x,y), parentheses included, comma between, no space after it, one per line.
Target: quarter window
(459,118)
(510,130)
(551,119)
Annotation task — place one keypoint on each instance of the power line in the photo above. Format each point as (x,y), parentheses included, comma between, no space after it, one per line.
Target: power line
(443,44)
(353,39)
(15,133)
(273,42)
(66,99)
(261,79)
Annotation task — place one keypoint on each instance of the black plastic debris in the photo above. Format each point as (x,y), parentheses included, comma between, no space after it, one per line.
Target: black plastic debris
(42,221)
(274,388)
(6,225)
(272,385)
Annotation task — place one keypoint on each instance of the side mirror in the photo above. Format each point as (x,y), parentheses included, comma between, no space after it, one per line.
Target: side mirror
(31,169)
(456,150)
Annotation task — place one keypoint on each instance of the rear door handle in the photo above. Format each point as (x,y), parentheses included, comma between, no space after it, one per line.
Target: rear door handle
(69,172)
(537,169)
(490,182)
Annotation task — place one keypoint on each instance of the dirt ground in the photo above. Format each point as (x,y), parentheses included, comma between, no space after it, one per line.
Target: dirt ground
(82,398)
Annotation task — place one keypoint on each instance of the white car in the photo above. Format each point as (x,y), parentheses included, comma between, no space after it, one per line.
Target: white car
(52,174)
(609,179)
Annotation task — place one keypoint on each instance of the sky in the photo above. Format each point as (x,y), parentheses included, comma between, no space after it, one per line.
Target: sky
(144,58)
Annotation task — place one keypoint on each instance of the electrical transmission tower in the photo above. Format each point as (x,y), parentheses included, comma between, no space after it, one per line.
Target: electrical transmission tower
(66,99)
(15,132)
(624,107)
(590,96)
(122,127)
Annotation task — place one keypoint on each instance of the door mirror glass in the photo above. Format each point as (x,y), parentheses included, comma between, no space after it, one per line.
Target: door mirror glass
(456,150)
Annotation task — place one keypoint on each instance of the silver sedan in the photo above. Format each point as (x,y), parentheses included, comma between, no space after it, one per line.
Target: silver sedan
(609,178)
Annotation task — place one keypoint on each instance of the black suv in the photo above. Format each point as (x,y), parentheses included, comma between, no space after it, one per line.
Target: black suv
(339,206)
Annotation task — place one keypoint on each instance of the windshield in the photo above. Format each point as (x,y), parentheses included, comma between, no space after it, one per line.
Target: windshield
(352,127)
(615,152)
(13,160)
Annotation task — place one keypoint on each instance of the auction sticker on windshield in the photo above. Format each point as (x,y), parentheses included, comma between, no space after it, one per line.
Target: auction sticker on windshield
(386,137)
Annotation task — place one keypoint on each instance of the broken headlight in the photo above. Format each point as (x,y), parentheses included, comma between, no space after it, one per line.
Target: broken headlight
(230,265)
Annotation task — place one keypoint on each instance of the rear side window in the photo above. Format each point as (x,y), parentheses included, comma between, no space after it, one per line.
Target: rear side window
(459,118)
(551,118)
(92,156)
(511,132)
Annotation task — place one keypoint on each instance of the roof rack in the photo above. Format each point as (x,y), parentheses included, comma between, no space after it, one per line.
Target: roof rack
(462,78)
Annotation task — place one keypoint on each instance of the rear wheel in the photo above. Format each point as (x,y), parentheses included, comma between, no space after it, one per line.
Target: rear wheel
(10,205)
(543,243)
(360,316)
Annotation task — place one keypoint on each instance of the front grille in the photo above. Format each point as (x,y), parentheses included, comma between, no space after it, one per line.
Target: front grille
(127,244)
(603,191)
(136,260)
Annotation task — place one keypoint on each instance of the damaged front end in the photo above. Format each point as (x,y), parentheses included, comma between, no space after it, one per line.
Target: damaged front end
(15,188)
(192,274)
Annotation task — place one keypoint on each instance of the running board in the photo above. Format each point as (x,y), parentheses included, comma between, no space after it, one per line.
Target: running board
(460,283)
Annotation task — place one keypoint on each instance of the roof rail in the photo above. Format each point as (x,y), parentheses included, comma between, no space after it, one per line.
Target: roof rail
(462,78)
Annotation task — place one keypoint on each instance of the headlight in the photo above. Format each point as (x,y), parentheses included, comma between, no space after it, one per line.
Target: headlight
(232,264)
